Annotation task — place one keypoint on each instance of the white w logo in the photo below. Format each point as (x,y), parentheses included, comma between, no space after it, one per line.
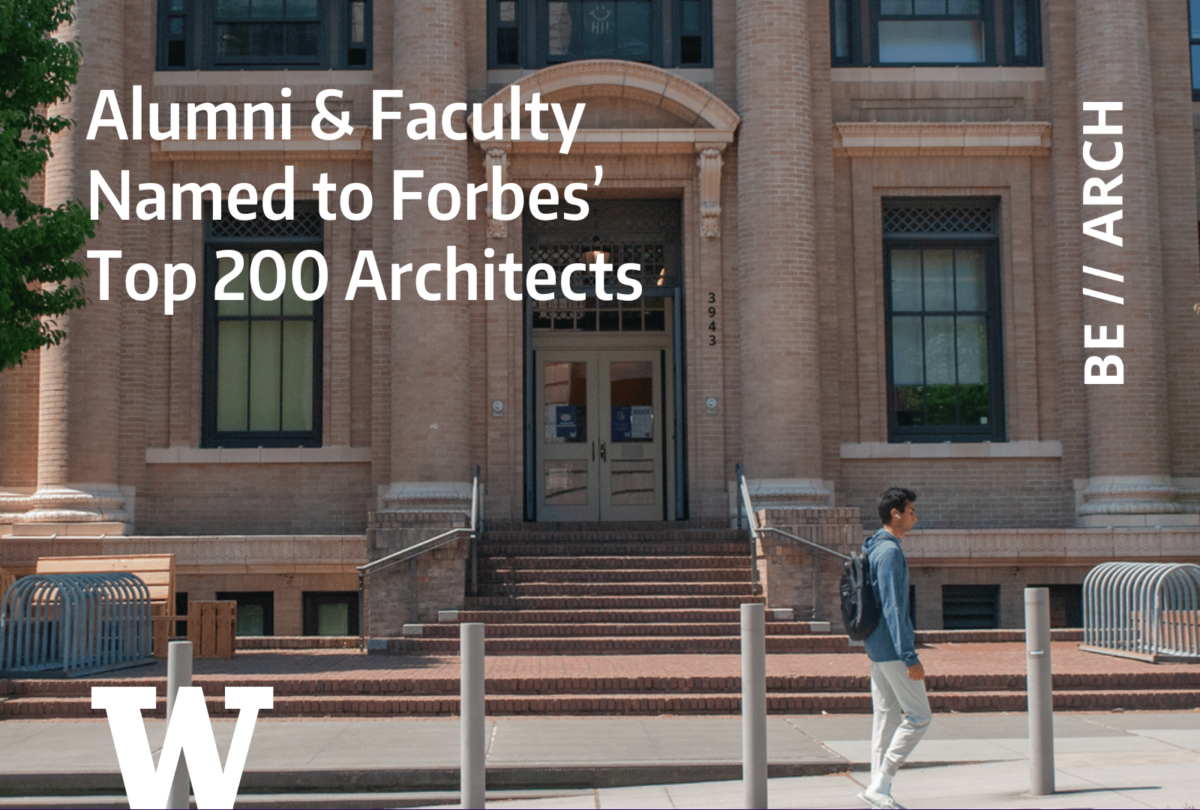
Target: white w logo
(190,732)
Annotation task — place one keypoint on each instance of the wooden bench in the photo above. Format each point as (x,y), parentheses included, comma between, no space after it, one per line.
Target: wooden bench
(156,570)
(211,625)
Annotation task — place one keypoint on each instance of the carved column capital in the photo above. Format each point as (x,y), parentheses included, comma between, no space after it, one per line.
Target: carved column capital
(497,228)
(709,161)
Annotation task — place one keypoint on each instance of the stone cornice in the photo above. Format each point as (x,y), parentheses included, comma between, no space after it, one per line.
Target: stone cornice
(999,138)
(1049,546)
(303,144)
(211,552)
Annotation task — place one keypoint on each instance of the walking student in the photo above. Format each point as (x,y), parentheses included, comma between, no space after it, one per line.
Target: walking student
(898,696)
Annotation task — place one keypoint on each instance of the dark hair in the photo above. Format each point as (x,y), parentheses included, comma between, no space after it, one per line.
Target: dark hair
(894,498)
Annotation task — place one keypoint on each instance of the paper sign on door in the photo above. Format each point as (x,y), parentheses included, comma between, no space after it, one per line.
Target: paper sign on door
(632,423)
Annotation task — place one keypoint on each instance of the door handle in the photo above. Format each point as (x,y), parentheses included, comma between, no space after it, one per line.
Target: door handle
(593,451)
(603,452)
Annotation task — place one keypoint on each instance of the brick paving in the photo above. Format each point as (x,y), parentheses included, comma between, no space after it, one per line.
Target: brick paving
(1006,659)
(962,677)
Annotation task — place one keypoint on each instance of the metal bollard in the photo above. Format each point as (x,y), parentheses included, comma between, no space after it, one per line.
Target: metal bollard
(474,751)
(754,705)
(1039,687)
(179,673)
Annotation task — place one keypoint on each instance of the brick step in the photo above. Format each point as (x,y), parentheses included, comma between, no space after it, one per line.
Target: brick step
(990,636)
(635,704)
(497,617)
(297,642)
(612,629)
(607,602)
(612,548)
(608,562)
(614,645)
(604,536)
(322,686)
(515,575)
(520,589)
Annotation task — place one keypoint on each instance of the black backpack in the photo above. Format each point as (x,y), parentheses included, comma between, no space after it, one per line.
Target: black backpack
(860,612)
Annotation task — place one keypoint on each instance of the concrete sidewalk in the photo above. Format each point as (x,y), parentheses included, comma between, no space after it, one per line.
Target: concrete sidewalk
(970,760)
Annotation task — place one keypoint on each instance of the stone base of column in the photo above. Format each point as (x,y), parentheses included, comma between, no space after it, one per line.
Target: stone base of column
(1135,501)
(426,496)
(91,509)
(783,493)
(797,577)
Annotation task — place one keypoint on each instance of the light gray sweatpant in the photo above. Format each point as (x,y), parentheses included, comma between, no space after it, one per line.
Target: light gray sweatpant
(902,716)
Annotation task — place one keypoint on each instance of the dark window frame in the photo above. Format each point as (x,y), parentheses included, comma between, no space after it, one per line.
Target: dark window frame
(533,44)
(995,430)
(959,597)
(1193,49)
(312,600)
(210,436)
(853,54)
(997,17)
(1033,22)
(264,598)
(334,47)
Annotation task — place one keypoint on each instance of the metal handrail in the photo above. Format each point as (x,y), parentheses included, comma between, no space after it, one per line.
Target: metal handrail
(475,528)
(744,504)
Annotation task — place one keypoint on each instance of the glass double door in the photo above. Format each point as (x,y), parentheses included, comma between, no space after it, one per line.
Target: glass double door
(600,435)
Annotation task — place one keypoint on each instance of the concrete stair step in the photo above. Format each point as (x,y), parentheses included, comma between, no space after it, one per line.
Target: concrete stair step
(520,589)
(597,574)
(490,546)
(628,629)
(608,602)
(698,703)
(612,645)
(640,562)
(630,616)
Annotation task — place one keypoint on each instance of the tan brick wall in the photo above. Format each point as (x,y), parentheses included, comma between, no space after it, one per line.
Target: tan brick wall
(801,362)
(964,493)
(288,591)
(19,425)
(255,499)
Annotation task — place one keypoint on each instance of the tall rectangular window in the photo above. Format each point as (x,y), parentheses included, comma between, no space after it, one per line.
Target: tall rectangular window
(935,32)
(1194,39)
(941,294)
(618,29)
(536,33)
(264,34)
(262,370)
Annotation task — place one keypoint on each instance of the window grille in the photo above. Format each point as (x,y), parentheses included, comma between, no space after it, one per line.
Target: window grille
(304,225)
(968,220)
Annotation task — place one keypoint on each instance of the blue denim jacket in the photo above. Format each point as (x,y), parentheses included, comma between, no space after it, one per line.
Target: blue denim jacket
(893,639)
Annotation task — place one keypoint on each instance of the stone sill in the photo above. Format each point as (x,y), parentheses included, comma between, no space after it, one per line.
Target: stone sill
(876,139)
(258,455)
(274,78)
(302,142)
(1021,449)
(876,75)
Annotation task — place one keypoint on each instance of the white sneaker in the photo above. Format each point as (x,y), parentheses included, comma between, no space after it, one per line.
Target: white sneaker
(878,799)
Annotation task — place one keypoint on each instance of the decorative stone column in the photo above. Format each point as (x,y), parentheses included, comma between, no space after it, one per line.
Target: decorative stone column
(429,490)
(78,430)
(1128,452)
(430,430)
(777,249)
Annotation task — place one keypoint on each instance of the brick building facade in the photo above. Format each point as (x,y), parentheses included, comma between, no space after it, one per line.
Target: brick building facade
(861,231)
